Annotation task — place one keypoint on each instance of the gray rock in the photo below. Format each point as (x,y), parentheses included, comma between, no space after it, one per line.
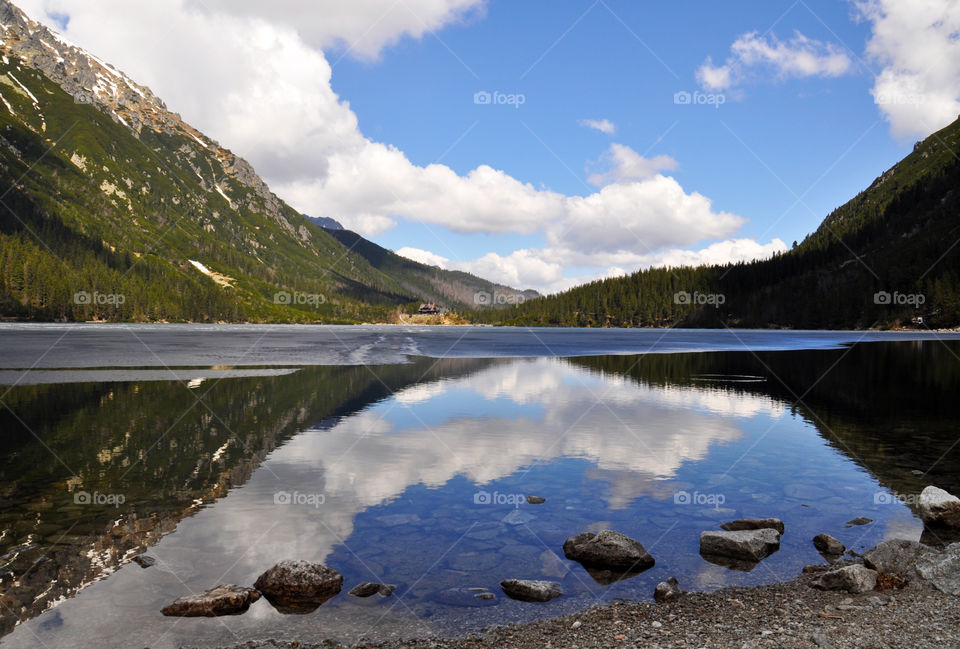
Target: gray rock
(938,507)
(299,586)
(531,590)
(667,591)
(939,569)
(742,545)
(859,520)
(608,549)
(895,556)
(225,599)
(369,588)
(828,545)
(754,524)
(853,579)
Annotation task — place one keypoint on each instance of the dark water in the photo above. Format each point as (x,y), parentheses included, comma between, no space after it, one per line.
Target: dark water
(408,474)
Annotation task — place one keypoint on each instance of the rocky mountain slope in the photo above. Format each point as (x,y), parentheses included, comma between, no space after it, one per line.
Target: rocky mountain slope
(113,207)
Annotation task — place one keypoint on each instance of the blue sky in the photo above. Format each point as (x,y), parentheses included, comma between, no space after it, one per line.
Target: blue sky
(365,111)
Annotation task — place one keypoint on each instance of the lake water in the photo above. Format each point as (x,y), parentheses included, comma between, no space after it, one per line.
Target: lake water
(405,455)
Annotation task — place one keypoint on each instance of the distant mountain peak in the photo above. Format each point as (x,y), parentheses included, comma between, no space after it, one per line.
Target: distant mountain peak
(326,222)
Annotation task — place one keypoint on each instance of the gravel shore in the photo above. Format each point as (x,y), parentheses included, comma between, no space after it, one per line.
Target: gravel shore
(789,615)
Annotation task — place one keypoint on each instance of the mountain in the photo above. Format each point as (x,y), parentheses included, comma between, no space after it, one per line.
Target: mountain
(889,257)
(112,207)
(325,222)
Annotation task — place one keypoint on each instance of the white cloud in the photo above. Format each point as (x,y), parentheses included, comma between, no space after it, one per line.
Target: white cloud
(624,164)
(798,57)
(918,87)
(602,125)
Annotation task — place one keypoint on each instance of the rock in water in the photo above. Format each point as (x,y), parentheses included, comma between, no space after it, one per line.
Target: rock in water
(530,590)
(828,545)
(144,561)
(299,586)
(667,591)
(754,524)
(368,588)
(225,599)
(536,500)
(853,579)
(896,556)
(940,569)
(743,545)
(859,520)
(608,549)
(938,507)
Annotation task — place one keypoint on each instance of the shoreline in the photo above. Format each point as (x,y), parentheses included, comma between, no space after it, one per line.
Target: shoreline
(788,615)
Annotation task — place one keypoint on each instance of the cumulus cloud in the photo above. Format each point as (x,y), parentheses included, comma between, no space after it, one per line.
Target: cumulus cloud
(257,81)
(798,57)
(624,164)
(917,47)
(602,125)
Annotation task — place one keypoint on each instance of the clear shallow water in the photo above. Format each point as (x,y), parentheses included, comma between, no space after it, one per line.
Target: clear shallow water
(390,466)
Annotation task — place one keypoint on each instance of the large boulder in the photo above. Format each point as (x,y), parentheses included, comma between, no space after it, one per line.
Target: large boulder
(749,546)
(667,591)
(225,599)
(940,569)
(608,549)
(828,545)
(939,508)
(853,579)
(531,590)
(754,524)
(896,556)
(299,586)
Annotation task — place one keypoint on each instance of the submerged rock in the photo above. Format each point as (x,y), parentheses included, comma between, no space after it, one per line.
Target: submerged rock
(225,599)
(369,588)
(859,520)
(466,597)
(853,579)
(667,591)
(939,508)
(531,590)
(828,545)
(299,586)
(608,549)
(144,561)
(754,524)
(743,545)
(536,500)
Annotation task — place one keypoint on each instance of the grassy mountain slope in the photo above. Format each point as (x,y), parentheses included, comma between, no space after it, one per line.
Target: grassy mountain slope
(112,207)
(889,256)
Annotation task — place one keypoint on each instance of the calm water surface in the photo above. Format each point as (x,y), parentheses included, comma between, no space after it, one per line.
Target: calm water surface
(415,473)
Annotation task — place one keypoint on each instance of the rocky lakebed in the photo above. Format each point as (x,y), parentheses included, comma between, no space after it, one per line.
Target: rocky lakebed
(900,593)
